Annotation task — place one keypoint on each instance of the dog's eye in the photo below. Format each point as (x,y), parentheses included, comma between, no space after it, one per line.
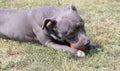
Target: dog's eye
(71,35)
(79,27)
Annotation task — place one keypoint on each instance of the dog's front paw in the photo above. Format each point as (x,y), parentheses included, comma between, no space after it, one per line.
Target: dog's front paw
(80,53)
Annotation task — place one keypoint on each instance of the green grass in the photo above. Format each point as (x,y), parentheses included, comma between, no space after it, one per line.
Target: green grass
(102,18)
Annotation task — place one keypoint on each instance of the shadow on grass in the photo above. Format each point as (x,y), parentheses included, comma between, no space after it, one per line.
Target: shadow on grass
(94,49)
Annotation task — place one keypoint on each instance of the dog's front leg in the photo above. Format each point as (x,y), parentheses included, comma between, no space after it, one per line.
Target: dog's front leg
(51,44)
(60,47)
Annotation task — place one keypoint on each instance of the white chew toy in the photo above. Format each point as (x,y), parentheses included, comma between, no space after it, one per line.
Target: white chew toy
(80,53)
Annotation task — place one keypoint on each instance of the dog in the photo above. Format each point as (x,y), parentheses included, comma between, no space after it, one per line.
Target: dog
(53,27)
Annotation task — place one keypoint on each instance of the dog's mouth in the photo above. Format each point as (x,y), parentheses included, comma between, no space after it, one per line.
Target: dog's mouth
(81,48)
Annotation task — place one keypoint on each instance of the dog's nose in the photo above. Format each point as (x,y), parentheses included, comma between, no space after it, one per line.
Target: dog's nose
(87,42)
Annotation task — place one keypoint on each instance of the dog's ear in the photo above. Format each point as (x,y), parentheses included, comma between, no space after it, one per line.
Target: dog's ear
(72,7)
(49,24)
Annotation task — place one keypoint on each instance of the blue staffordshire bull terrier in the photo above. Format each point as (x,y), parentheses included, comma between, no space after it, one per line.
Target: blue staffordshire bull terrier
(53,27)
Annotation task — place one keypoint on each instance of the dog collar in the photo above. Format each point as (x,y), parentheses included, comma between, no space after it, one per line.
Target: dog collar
(56,37)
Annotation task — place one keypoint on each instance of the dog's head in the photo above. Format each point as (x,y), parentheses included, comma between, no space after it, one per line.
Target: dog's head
(68,26)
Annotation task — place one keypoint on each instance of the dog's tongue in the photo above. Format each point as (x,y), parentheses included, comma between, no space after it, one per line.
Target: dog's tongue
(82,49)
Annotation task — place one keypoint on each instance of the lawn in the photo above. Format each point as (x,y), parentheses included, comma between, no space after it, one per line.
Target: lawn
(102,23)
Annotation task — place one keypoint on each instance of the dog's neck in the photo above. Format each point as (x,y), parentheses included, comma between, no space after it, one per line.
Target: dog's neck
(56,38)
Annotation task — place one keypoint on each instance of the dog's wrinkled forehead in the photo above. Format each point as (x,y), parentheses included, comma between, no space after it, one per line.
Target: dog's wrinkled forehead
(69,19)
